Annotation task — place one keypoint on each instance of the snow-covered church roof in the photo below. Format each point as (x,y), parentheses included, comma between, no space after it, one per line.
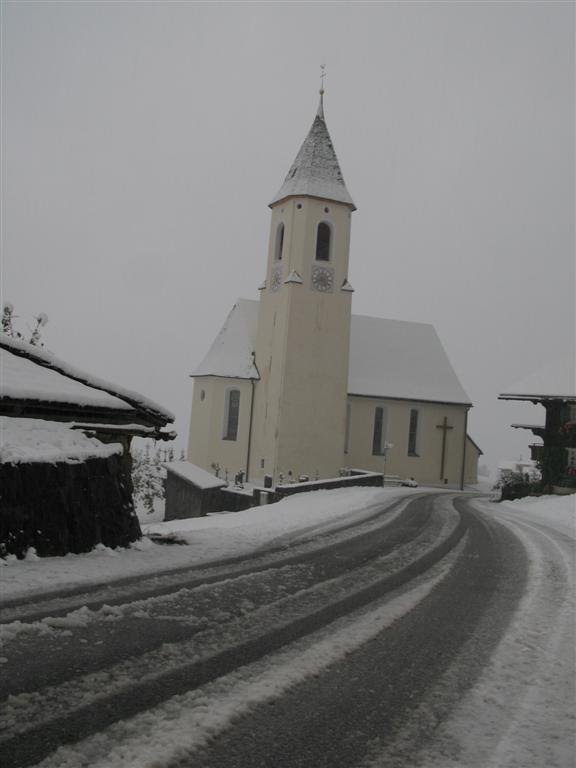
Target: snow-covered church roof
(232,351)
(556,380)
(316,172)
(393,359)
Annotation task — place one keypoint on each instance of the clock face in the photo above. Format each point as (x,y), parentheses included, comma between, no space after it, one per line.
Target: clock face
(276,280)
(323,279)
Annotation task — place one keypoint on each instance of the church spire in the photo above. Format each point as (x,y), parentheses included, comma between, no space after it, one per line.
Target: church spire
(316,172)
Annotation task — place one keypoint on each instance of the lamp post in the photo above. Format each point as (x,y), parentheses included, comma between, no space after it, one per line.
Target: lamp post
(386,447)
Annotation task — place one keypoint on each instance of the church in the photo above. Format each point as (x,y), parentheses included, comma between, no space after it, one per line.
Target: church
(295,385)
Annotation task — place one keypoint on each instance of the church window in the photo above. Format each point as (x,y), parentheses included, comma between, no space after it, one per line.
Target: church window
(379,434)
(279,242)
(347,430)
(323,237)
(413,433)
(299,205)
(202,394)
(326,210)
(232,414)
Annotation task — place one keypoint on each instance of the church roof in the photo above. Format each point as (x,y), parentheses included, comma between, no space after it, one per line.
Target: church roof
(232,351)
(557,380)
(316,172)
(401,360)
(392,359)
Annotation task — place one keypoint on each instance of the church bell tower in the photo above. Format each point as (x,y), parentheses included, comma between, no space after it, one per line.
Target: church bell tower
(303,336)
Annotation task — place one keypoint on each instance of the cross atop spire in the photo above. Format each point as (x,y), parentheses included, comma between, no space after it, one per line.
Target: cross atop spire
(320,112)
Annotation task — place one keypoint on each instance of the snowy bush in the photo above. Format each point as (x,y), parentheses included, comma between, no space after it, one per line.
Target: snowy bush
(517,485)
(149,476)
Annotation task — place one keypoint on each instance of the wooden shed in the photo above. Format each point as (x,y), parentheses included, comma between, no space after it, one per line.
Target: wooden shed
(65,465)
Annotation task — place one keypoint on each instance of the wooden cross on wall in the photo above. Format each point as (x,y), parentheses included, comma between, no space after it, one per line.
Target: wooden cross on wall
(444,427)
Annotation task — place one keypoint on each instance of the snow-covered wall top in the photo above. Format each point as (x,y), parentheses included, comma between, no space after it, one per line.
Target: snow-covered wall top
(45,376)
(315,171)
(557,380)
(33,440)
(388,358)
(195,475)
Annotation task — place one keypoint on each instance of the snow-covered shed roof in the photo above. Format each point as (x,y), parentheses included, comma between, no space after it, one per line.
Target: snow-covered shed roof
(316,172)
(29,374)
(388,358)
(555,381)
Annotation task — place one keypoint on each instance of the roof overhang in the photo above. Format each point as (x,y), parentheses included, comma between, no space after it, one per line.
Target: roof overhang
(130,422)
(283,199)
(537,398)
(412,399)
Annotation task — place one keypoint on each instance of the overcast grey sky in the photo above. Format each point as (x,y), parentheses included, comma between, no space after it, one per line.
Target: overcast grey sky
(142,143)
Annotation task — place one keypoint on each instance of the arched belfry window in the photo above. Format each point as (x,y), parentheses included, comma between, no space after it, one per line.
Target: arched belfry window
(231,414)
(279,245)
(323,238)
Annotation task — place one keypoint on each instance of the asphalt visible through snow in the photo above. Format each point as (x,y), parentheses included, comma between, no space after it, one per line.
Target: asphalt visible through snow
(403,682)
(83,668)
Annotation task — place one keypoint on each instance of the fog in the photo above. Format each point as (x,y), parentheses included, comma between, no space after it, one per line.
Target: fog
(142,143)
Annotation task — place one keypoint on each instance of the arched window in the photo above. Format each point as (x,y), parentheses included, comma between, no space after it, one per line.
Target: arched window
(231,414)
(380,429)
(279,242)
(323,235)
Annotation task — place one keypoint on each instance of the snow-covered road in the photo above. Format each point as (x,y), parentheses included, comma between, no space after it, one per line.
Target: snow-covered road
(421,632)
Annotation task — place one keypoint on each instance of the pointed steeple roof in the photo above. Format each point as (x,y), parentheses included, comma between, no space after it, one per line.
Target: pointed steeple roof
(316,172)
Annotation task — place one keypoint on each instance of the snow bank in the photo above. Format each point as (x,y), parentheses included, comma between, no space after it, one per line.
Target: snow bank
(209,538)
(558,512)
(35,440)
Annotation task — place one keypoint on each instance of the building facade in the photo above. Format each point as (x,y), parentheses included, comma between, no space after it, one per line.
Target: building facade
(294,385)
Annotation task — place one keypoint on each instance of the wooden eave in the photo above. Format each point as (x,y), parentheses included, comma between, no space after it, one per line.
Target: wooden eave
(57,411)
(539,398)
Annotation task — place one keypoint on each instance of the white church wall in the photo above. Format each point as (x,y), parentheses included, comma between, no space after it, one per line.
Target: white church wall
(425,466)
(207,444)
(471,463)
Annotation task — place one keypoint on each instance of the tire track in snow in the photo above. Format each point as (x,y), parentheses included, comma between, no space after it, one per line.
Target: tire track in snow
(176,729)
(32,609)
(88,641)
(88,705)
(521,712)
(389,695)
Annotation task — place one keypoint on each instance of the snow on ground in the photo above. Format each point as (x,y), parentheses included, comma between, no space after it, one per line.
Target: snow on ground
(207,539)
(557,512)
(520,714)
(168,732)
